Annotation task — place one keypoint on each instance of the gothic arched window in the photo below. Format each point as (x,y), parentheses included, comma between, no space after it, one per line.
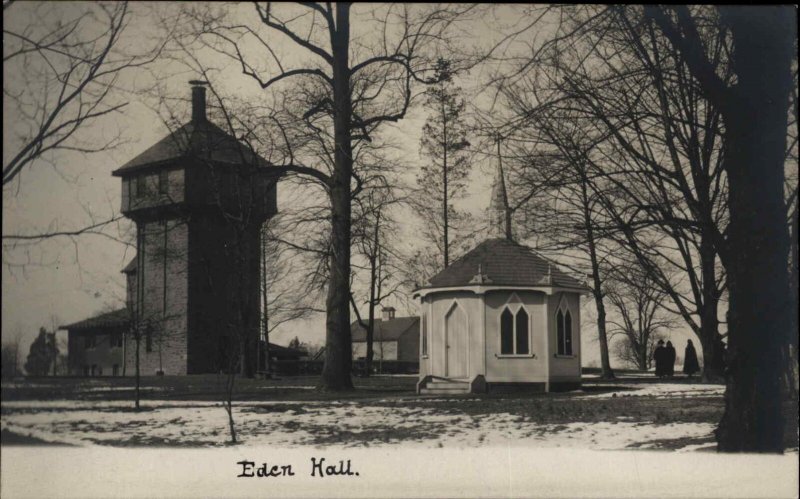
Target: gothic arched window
(564,332)
(514,332)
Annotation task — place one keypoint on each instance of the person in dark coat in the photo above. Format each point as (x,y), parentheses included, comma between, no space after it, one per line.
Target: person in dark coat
(669,366)
(719,355)
(659,356)
(669,359)
(690,364)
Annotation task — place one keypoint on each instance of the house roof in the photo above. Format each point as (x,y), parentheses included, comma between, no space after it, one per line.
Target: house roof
(390,330)
(502,262)
(198,138)
(117,318)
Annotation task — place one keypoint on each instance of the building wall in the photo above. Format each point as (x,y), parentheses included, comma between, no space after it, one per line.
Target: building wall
(224,293)
(162,287)
(102,356)
(531,368)
(565,369)
(408,345)
(385,350)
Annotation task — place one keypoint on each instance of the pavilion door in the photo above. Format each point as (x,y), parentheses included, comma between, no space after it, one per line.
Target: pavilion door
(455,336)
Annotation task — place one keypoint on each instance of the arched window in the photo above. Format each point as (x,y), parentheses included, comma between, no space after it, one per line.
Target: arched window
(564,332)
(514,332)
(568,333)
(506,332)
(522,333)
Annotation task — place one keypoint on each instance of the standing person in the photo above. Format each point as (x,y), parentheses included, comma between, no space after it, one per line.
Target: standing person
(669,367)
(659,356)
(690,364)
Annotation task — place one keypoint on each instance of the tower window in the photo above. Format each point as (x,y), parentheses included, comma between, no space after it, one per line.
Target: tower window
(163,181)
(514,332)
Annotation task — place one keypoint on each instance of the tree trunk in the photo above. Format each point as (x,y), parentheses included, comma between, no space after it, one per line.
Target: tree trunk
(644,359)
(265,303)
(370,339)
(338,351)
(709,320)
(138,376)
(444,193)
(760,300)
(605,363)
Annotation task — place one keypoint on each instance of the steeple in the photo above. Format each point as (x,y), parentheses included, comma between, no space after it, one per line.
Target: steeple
(499,212)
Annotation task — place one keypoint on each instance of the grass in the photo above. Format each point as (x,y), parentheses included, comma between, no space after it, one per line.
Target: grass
(200,387)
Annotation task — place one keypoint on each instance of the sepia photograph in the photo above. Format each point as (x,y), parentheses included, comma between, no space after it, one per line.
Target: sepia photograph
(273,249)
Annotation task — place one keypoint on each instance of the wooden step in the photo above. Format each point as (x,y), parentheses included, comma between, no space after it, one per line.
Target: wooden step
(444,391)
(449,384)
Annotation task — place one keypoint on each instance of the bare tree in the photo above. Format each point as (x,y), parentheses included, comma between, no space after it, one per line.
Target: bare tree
(285,298)
(446,165)
(647,132)
(639,315)
(11,354)
(374,234)
(731,68)
(63,62)
(755,110)
(350,101)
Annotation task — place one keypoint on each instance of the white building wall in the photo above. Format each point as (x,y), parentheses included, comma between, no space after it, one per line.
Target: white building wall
(562,368)
(531,368)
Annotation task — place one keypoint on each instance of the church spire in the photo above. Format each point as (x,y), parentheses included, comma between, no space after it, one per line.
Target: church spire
(499,211)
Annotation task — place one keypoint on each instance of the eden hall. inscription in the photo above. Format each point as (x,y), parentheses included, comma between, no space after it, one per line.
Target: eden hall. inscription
(320,467)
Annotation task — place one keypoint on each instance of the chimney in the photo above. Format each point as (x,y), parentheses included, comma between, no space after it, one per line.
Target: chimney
(387,313)
(198,100)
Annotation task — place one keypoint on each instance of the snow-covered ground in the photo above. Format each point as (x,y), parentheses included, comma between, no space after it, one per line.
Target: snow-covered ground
(332,423)
(661,390)
(205,423)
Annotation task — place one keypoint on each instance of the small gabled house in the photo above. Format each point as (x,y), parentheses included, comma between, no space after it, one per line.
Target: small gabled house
(500,315)
(394,338)
(96,346)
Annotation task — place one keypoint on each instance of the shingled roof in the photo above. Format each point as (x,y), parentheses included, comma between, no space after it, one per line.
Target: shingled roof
(117,318)
(502,262)
(390,330)
(199,139)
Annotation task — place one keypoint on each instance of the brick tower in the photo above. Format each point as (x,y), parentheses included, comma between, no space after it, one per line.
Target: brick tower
(198,198)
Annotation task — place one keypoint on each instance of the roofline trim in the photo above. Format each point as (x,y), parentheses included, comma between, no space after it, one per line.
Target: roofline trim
(480,290)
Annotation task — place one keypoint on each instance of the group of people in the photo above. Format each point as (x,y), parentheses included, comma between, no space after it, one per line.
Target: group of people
(664,357)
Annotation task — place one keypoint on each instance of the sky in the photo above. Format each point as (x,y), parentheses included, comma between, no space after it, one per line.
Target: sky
(63,280)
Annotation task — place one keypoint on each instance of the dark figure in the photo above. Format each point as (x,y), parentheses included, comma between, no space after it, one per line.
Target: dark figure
(719,356)
(659,356)
(669,366)
(690,364)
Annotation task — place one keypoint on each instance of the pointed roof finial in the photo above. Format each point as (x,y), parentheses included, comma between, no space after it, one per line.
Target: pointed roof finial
(499,210)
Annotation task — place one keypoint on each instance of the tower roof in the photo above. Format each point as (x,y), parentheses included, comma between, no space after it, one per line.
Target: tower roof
(502,262)
(199,139)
